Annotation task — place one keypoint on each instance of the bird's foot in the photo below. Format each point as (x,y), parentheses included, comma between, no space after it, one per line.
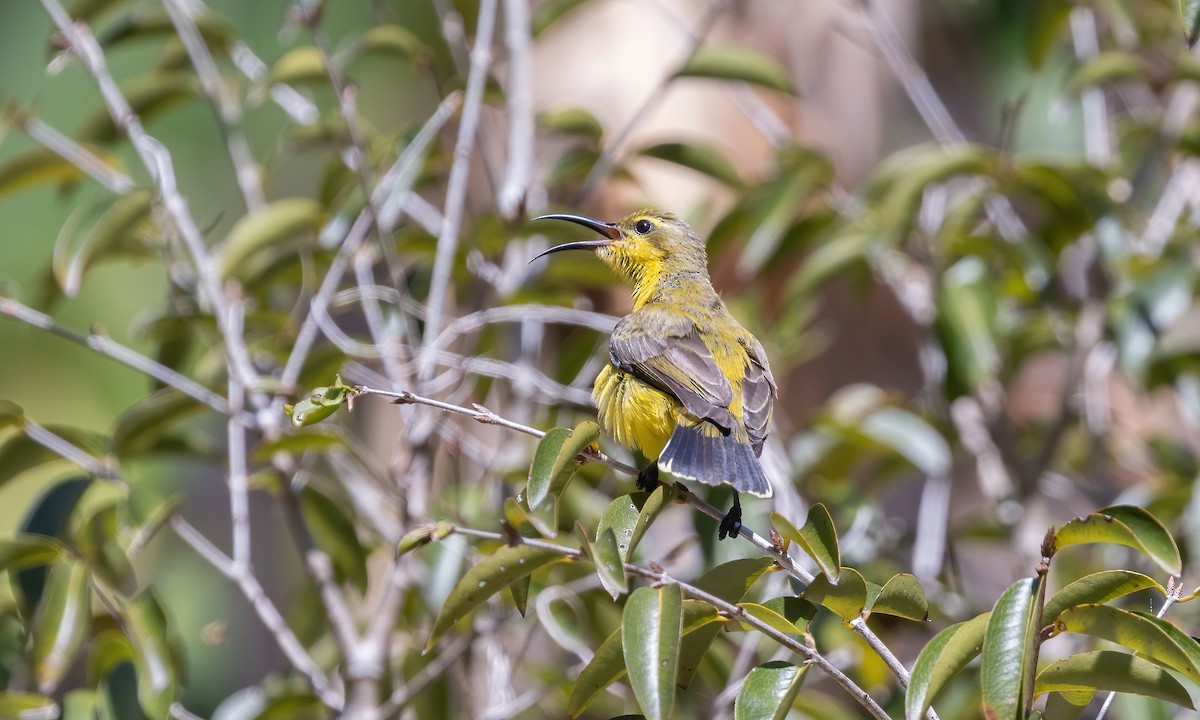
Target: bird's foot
(731,524)
(647,479)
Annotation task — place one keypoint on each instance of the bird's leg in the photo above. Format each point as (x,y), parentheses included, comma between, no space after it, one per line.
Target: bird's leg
(647,479)
(731,524)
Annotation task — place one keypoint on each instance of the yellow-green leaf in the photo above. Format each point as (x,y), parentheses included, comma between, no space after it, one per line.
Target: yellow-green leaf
(299,66)
(770,618)
(1112,671)
(902,596)
(1124,525)
(846,599)
(1151,637)
(486,578)
(701,158)
(1097,588)
(818,538)
(258,231)
(730,62)
(610,566)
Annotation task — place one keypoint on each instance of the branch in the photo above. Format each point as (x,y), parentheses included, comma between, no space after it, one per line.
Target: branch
(266,610)
(111,348)
(228,112)
(460,169)
(114,180)
(158,163)
(520,108)
(659,576)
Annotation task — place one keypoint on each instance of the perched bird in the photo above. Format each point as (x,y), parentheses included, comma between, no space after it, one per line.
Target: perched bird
(685,384)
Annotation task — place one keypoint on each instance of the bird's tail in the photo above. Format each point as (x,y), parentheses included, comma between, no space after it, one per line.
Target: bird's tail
(714,459)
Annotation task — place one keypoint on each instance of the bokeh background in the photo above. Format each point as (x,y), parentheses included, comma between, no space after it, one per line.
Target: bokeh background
(846,342)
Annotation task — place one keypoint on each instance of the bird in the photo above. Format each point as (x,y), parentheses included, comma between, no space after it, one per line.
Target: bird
(686,384)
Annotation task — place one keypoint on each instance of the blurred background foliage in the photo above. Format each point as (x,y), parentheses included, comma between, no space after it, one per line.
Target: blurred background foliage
(972,269)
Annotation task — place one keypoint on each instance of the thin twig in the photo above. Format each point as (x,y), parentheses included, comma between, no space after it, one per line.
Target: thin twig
(520,108)
(111,348)
(158,163)
(67,450)
(460,170)
(239,492)
(391,188)
(1096,127)
(116,181)
(287,641)
(229,112)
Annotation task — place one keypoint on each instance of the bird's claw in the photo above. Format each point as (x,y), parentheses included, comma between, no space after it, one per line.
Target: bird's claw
(731,524)
(647,479)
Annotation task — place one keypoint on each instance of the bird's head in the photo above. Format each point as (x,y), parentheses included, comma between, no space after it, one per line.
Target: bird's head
(642,247)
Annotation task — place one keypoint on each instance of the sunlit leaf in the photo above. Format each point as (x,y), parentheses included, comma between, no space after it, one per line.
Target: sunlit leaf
(769,691)
(730,582)
(267,228)
(651,628)
(154,656)
(27,706)
(658,501)
(555,461)
(1008,650)
(730,62)
(391,39)
(1112,671)
(422,535)
(1097,588)
(487,577)
(26,551)
(701,158)
(571,120)
(1151,637)
(940,660)
(299,66)
(818,538)
(846,599)
(621,517)
(61,622)
(116,234)
(98,540)
(35,167)
(770,617)
(609,565)
(1126,525)
(901,596)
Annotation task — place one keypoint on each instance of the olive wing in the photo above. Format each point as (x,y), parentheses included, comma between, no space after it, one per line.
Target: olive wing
(758,394)
(671,356)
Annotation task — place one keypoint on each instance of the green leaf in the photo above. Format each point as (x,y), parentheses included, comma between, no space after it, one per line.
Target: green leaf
(737,63)
(1113,66)
(818,538)
(1067,705)
(11,415)
(846,599)
(149,96)
(829,260)
(795,610)
(98,538)
(323,402)
(390,39)
(1123,525)
(154,656)
(940,660)
(145,423)
(27,706)
(26,551)
(621,517)
(966,318)
(1097,588)
(770,617)
(1112,671)
(486,578)
(701,158)
(300,442)
(730,582)
(1008,650)
(610,566)
(902,596)
(266,229)
(119,233)
(556,459)
(422,535)
(299,66)
(769,691)
(336,536)
(572,120)
(1151,637)
(910,437)
(61,622)
(662,496)
(546,13)
(1190,10)
(651,629)
(35,167)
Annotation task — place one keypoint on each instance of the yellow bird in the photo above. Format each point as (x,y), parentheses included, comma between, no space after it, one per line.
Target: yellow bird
(685,384)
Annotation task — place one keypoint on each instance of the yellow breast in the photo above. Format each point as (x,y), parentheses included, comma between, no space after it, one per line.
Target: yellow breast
(637,415)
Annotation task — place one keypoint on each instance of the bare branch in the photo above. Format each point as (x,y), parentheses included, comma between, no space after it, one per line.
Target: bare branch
(239,500)
(520,108)
(1096,133)
(460,169)
(116,181)
(67,450)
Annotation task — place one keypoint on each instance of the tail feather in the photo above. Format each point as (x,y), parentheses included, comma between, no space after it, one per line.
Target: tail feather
(714,459)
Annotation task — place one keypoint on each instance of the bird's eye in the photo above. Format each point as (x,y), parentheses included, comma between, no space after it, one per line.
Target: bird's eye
(643,226)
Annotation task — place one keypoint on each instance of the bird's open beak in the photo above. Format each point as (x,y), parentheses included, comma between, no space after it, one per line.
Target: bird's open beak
(609,230)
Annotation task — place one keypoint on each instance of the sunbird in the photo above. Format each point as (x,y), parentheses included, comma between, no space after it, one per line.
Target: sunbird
(686,384)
